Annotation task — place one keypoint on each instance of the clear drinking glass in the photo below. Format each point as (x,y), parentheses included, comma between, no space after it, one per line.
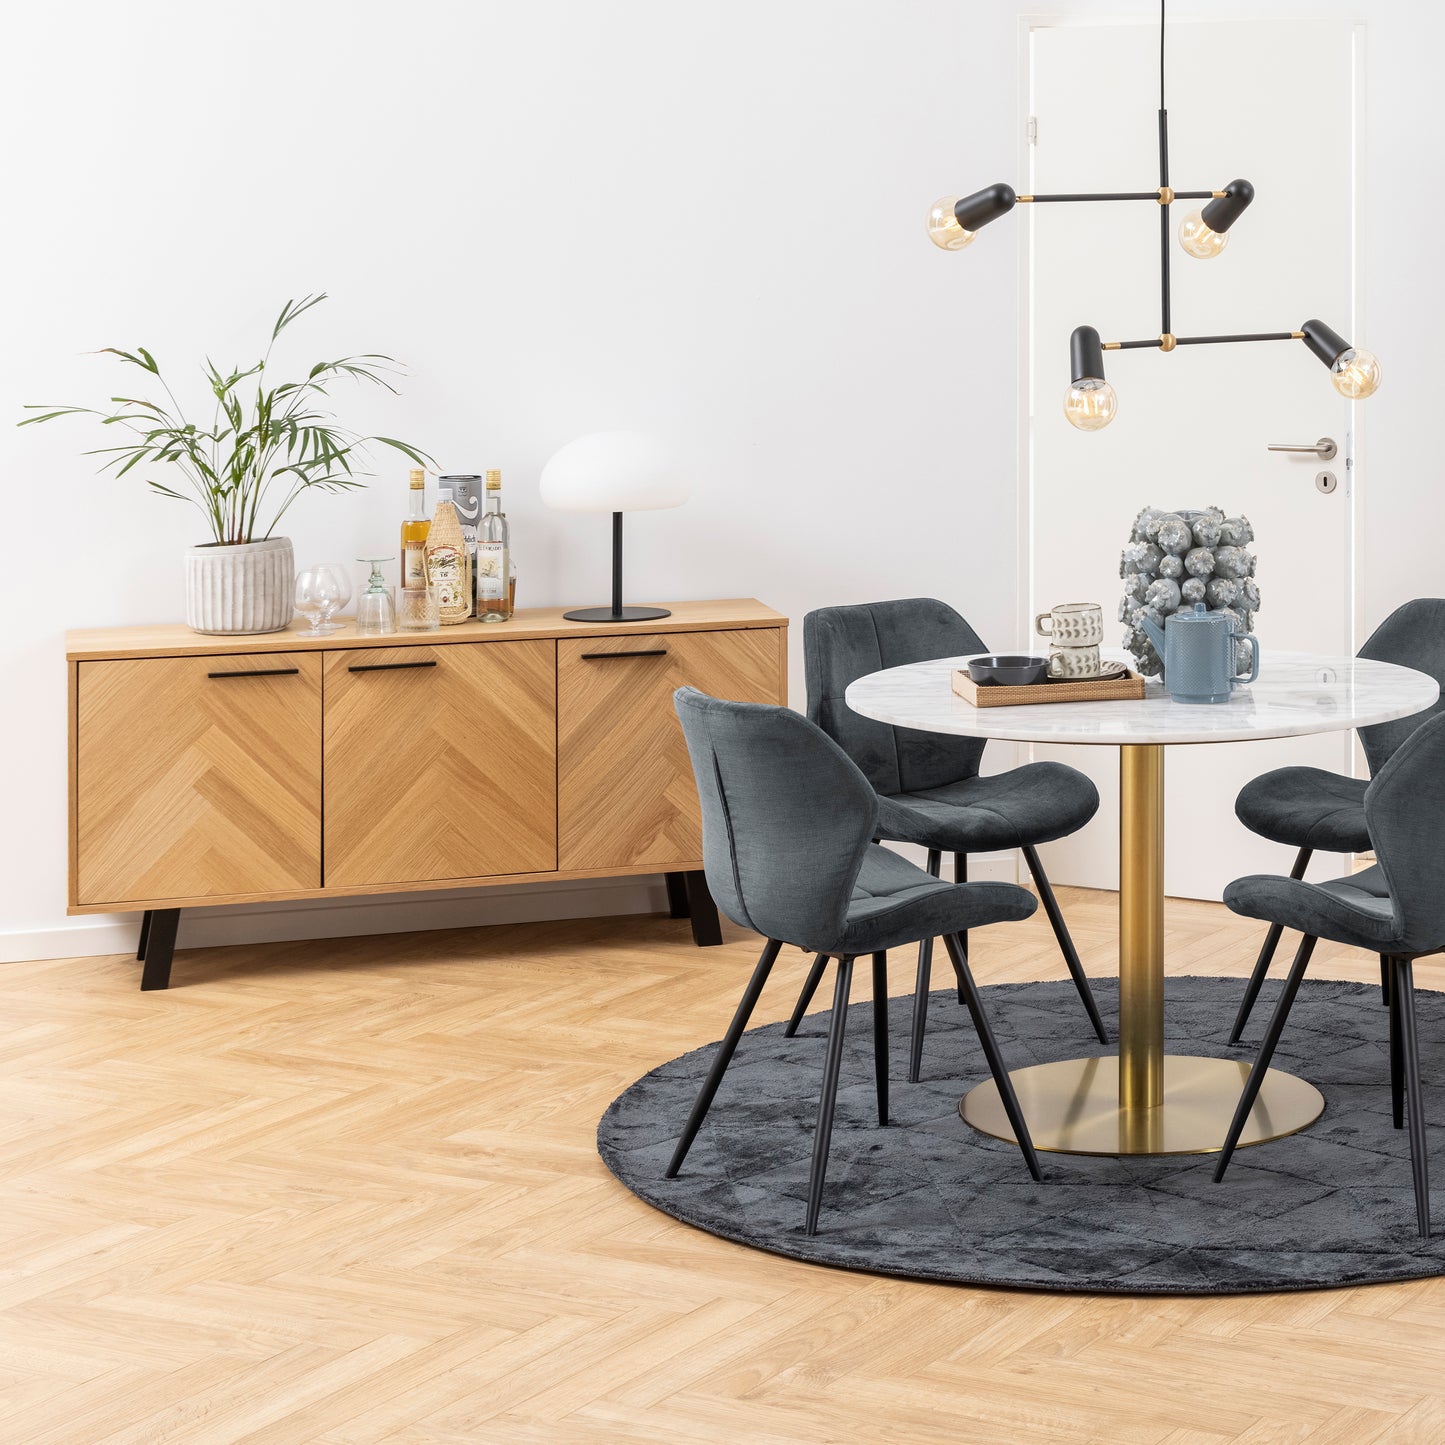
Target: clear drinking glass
(321,592)
(418,609)
(376,609)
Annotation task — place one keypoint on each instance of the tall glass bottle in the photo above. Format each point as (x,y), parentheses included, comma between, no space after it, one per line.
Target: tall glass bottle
(494,557)
(414,527)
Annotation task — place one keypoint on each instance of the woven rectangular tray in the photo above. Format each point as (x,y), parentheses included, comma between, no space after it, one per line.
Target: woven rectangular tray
(1129,688)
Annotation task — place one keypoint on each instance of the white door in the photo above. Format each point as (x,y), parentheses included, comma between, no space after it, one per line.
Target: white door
(1274,103)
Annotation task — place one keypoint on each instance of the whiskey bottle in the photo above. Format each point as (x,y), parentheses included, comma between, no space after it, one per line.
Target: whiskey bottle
(414,527)
(494,557)
(448,568)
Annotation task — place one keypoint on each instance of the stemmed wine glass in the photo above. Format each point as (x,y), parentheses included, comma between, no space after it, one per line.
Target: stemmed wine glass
(321,592)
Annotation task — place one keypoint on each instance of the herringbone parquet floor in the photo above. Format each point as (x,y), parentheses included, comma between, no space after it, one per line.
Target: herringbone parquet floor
(347,1192)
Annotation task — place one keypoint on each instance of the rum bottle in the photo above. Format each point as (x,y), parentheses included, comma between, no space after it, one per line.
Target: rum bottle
(448,567)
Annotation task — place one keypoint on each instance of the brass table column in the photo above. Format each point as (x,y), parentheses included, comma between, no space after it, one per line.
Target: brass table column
(1151,1102)
(1141,926)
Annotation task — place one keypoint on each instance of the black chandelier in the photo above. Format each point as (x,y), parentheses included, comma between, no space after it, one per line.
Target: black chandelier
(1091,402)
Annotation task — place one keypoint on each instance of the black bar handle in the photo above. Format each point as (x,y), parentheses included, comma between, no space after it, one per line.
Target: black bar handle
(260,672)
(389,666)
(603,656)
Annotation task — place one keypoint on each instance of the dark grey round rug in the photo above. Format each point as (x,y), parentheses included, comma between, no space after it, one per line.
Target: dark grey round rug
(928,1198)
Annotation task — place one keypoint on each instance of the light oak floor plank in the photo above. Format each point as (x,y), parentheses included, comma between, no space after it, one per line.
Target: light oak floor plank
(348,1191)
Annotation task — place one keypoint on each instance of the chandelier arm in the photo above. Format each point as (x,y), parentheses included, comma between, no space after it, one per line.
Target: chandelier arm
(1157,343)
(1245,336)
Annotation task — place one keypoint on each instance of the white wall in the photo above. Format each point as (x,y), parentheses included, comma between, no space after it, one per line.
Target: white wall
(703,219)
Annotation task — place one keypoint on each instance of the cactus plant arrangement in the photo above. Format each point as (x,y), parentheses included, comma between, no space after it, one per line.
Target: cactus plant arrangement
(1175,559)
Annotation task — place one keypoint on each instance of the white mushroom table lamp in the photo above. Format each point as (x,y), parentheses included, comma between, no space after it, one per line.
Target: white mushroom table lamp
(617,472)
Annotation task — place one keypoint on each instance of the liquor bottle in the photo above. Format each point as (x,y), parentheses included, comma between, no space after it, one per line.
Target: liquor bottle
(414,527)
(448,568)
(494,557)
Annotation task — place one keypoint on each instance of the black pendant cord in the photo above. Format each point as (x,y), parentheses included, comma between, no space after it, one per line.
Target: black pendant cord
(1164,298)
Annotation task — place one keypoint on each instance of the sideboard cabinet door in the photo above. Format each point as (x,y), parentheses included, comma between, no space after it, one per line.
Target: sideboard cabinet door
(441,762)
(197,776)
(626,794)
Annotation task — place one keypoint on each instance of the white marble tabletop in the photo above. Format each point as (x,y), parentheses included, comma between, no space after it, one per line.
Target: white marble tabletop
(1297,692)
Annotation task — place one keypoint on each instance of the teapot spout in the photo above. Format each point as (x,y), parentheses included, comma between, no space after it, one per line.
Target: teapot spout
(1156,634)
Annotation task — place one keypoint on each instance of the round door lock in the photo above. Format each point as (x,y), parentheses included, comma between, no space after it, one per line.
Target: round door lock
(1326,482)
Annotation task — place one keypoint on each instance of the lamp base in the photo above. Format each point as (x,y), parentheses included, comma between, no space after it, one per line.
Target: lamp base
(621,614)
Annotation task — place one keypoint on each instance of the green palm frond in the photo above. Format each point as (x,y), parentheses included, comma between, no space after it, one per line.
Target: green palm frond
(230,467)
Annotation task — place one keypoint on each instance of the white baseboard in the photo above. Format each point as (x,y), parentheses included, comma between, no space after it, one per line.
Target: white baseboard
(99,934)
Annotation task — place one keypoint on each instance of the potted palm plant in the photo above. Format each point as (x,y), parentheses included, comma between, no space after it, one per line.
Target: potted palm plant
(265,446)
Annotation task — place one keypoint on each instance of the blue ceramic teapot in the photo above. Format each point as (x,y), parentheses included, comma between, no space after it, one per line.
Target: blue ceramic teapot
(1197,647)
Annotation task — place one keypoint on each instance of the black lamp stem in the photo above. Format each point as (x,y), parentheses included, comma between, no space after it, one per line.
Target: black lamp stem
(617,565)
(617,612)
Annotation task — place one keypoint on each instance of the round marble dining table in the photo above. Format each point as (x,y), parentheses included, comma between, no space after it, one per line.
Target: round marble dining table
(1149,1102)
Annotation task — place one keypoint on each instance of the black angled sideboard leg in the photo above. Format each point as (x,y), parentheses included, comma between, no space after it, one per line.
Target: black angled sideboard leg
(676,894)
(706,929)
(145,933)
(158,946)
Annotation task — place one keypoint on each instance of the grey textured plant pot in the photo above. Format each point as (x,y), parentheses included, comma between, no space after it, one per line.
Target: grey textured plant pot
(244,587)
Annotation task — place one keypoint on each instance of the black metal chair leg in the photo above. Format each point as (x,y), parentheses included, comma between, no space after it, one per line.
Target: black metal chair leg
(1266,956)
(159,949)
(724,1055)
(921,986)
(1397,1059)
(880,1033)
(1266,1052)
(1403,984)
(991,1053)
(823,1134)
(960,875)
(1385,981)
(805,996)
(145,933)
(1065,940)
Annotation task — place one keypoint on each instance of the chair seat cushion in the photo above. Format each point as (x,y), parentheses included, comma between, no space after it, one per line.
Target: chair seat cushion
(1356,910)
(896,903)
(1032,804)
(1306,808)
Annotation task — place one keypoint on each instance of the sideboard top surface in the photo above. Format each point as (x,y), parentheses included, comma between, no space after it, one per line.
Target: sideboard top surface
(174,639)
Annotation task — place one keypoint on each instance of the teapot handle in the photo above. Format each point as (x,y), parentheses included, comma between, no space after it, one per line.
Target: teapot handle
(1253,641)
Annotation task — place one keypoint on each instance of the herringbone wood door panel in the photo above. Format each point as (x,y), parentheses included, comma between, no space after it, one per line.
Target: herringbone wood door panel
(447,770)
(191,784)
(625,788)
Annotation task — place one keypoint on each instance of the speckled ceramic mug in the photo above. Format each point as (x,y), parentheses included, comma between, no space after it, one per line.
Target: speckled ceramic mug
(1072,624)
(1076,663)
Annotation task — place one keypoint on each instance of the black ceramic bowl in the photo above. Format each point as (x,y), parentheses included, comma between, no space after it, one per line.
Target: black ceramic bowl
(1008,670)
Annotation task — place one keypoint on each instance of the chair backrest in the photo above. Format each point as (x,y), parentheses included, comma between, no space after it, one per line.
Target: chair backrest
(1405,813)
(842,644)
(786,817)
(1413,635)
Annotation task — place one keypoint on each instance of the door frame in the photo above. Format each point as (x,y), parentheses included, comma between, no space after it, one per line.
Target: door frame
(1354,448)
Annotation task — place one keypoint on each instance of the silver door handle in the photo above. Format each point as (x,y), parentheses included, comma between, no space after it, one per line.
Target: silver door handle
(1324,449)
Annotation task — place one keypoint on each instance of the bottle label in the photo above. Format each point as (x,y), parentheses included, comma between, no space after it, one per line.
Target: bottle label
(413,565)
(445,572)
(491,571)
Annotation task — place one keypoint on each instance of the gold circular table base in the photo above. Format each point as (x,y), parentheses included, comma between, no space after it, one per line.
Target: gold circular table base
(1073,1107)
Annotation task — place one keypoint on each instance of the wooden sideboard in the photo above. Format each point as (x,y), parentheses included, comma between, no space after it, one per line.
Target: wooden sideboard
(222,770)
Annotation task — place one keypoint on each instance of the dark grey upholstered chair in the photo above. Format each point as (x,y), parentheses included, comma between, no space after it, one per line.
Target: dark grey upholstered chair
(1395,909)
(788,824)
(928,784)
(1309,808)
